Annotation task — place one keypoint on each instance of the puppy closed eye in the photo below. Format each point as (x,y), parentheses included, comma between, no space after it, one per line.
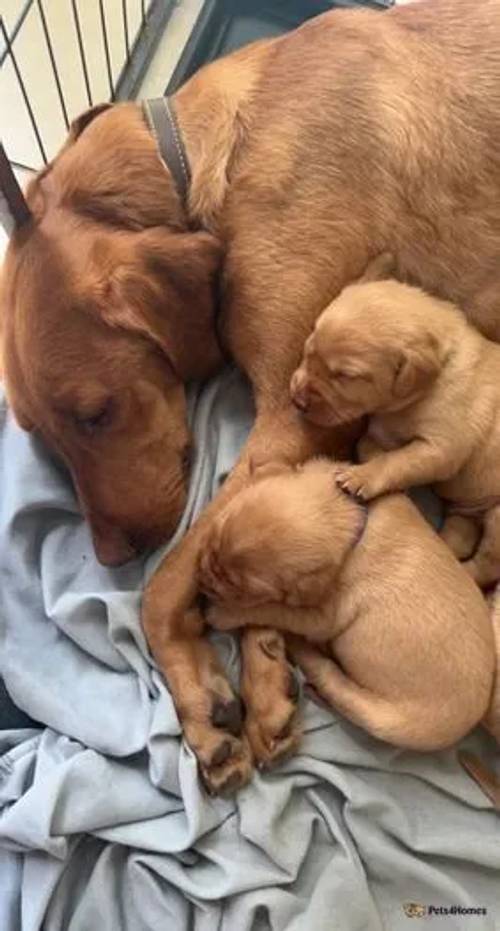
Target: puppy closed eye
(341,375)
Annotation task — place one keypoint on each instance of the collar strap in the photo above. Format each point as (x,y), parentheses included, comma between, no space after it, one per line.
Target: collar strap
(162,121)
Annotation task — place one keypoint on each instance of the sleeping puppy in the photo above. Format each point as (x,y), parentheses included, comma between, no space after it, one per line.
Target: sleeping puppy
(430,383)
(369,588)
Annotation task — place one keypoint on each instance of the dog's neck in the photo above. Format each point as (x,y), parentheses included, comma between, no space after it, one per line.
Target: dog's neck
(212,112)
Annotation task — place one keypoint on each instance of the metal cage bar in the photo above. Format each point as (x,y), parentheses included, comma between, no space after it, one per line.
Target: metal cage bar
(10,52)
(53,62)
(106,49)
(17,27)
(125,29)
(81,49)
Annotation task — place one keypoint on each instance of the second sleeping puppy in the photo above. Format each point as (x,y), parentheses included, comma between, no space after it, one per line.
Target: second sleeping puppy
(373,587)
(431,386)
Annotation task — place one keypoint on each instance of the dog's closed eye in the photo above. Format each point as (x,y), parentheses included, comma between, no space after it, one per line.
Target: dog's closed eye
(96,420)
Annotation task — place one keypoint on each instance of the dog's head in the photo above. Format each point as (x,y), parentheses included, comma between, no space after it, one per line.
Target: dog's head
(277,541)
(374,348)
(108,303)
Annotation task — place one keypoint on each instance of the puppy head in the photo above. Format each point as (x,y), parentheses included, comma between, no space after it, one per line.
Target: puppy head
(276,542)
(374,348)
(108,312)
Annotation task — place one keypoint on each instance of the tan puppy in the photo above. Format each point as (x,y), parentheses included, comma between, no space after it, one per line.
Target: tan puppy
(413,666)
(431,384)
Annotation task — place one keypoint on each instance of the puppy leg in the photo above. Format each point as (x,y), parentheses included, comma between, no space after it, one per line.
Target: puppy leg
(461,534)
(404,723)
(270,690)
(210,713)
(269,687)
(484,566)
(417,463)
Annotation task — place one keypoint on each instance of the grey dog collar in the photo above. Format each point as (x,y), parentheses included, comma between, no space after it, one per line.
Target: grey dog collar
(160,116)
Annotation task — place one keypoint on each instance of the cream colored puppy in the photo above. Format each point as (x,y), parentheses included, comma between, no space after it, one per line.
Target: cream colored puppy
(430,384)
(369,588)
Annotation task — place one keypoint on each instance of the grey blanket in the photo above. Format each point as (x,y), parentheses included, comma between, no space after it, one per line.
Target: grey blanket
(103,823)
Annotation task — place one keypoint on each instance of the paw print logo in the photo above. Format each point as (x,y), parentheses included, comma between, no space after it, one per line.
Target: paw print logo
(414,910)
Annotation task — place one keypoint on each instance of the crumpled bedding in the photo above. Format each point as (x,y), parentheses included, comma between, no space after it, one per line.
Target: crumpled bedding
(103,821)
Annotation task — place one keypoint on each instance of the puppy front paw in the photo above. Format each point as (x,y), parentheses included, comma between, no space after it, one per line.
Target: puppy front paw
(358,480)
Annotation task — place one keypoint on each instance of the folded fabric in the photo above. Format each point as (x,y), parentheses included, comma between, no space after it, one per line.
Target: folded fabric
(103,821)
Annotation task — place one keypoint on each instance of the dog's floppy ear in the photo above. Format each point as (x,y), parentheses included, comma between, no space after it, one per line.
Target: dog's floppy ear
(165,291)
(418,365)
(81,122)
(35,190)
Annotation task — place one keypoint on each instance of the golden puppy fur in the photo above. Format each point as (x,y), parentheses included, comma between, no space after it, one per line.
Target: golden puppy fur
(413,666)
(430,385)
(357,133)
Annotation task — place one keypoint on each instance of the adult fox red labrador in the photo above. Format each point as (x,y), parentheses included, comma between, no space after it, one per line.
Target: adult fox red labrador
(360,132)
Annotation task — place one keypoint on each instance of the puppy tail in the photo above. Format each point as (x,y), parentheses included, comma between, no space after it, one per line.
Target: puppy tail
(486,780)
(397,725)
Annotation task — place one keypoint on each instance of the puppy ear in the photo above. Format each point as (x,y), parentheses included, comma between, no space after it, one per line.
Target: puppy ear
(418,366)
(264,589)
(309,590)
(165,291)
